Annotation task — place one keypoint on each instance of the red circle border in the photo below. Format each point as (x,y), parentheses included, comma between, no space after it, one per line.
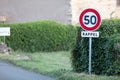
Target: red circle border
(98,21)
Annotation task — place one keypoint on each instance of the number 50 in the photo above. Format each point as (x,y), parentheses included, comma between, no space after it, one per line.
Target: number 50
(89,19)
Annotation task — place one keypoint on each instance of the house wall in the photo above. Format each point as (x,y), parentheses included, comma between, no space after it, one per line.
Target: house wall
(104,7)
(58,10)
(30,10)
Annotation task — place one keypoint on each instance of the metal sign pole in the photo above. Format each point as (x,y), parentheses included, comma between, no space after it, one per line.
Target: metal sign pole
(90,53)
(4,39)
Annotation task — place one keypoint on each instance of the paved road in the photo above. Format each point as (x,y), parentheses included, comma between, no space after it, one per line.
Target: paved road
(10,72)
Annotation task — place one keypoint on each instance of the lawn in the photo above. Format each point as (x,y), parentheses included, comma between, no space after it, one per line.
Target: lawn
(54,64)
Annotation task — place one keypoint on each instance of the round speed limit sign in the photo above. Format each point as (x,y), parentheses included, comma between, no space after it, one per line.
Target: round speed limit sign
(90,19)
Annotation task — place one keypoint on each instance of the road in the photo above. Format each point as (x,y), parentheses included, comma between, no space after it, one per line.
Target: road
(10,72)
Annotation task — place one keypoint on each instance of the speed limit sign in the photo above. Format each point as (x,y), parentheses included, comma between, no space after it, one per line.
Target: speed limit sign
(90,19)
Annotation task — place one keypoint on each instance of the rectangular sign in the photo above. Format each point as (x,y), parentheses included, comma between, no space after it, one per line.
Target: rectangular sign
(94,34)
(4,31)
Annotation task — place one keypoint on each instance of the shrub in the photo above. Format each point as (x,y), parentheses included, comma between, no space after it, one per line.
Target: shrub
(41,36)
(105,50)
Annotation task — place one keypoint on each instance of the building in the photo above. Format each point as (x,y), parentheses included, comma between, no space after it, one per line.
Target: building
(107,8)
(64,11)
(31,10)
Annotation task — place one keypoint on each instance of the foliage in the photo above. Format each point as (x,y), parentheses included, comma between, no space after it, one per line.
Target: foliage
(54,64)
(105,50)
(41,36)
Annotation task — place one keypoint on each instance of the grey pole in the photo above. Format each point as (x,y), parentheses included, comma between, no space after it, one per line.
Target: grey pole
(4,39)
(90,54)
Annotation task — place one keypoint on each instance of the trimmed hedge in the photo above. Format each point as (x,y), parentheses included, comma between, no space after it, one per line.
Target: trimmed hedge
(105,50)
(41,36)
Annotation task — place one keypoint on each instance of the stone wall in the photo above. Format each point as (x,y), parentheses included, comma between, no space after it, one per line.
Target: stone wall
(58,10)
(104,7)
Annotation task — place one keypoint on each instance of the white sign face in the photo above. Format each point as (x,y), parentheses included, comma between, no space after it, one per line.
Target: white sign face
(90,34)
(4,31)
(90,19)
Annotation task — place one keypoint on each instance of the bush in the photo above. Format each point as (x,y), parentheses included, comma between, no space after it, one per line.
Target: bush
(41,36)
(105,50)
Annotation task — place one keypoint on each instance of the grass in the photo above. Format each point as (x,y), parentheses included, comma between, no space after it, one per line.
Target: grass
(54,64)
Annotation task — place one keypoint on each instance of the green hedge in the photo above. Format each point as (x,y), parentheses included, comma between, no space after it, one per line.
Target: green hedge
(105,53)
(41,36)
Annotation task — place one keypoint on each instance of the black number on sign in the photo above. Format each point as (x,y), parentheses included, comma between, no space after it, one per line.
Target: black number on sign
(93,19)
(90,19)
(86,18)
